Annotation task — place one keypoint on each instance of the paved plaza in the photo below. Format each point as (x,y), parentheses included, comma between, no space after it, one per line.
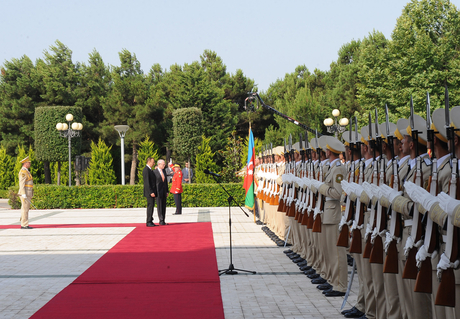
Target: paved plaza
(37,264)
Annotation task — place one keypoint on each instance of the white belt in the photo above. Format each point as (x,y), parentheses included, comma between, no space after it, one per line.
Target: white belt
(408,222)
(330,198)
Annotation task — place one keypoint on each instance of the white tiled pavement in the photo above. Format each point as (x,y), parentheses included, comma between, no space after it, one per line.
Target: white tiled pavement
(37,264)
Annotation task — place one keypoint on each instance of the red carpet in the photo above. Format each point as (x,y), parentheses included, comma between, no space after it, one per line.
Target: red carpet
(161,272)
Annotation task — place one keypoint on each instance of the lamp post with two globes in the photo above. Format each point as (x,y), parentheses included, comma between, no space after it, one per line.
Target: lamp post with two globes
(69,131)
(331,124)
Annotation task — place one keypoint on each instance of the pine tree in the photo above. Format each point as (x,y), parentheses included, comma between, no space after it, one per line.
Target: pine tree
(100,171)
(17,166)
(205,160)
(146,149)
(6,169)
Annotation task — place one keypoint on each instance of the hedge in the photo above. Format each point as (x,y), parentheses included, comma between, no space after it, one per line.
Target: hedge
(125,196)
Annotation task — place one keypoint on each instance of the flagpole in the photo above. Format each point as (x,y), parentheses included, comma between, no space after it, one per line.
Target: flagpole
(254,170)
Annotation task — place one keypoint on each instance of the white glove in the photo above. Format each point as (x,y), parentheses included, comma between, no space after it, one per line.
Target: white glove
(376,191)
(420,195)
(447,203)
(389,192)
(24,195)
(316,184)
(368,189)
(358,189)
(347,187)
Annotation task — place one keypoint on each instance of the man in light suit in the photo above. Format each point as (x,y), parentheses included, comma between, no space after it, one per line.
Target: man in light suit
(150,189)
(162,190)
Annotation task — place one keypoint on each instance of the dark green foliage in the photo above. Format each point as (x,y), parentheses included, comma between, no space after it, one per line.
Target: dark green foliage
(125,196)
(6,169)
(146,149)
(187,124)
(49,145)
(100,171)
(231,159)
(20,91)
(205,160)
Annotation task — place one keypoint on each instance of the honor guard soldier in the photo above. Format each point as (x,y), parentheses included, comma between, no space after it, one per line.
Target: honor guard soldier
(26,190)
(417,305)
(335,257)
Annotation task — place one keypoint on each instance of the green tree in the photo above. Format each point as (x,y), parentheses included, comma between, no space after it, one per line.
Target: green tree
(205,160)
(147,149)
(36,167)
(100,171)
(187,132)
(18,165)
(60,76)
(342,80)
(49,145)
(231,159)
(19,95)
(93,87)
(129,102)
(6,169)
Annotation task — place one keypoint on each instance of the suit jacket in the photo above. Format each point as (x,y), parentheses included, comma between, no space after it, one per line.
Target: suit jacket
(162,186)
(150,185)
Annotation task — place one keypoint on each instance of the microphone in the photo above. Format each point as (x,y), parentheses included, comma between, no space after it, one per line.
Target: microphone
(207,171)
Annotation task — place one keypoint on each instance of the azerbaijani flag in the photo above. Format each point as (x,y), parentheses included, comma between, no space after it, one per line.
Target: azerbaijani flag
(249,178)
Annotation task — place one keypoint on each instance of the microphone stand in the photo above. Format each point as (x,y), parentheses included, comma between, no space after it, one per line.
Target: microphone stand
(231,270)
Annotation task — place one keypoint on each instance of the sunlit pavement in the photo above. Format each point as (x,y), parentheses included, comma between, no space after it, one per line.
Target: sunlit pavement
(37,264)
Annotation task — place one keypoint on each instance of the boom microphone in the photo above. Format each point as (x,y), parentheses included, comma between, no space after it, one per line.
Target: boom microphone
(207,171)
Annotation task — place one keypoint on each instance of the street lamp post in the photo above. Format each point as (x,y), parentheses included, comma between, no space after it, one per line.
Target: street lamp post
(332,126)
(122,129)
(69,131)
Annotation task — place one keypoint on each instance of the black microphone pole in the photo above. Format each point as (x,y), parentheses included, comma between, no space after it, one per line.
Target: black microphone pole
(231,270)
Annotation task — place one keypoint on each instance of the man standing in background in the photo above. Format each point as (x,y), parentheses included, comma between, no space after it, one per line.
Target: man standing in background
(187,174)
(26,191)
(162,189)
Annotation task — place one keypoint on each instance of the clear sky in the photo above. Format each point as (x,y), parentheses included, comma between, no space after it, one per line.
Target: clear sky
(266,39)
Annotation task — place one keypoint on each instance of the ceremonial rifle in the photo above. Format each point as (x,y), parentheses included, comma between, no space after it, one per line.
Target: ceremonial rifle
(293,195)
(410,269)
(391,260)
(381,222)
(445,295)
(356,239)
(375,180)
(309,174)
(300,195)
(343,240)
(319,201)
(312,198)
(424,276)
(285,189)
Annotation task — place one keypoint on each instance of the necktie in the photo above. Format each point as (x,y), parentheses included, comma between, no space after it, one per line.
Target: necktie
(162,176)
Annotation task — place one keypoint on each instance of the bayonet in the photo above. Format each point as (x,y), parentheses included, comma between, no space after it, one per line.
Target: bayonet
(428,111)
(356,130)
(412,124)
(307,145)
(376,125)
(387,121)
(300,141)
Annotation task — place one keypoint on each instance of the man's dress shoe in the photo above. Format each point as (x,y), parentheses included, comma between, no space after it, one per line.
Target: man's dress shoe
(325,286)
(150,225)
(318,281)
(354,314)
(334,293)
(26,227)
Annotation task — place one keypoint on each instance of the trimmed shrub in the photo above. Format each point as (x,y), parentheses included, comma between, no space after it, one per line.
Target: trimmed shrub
(125,196)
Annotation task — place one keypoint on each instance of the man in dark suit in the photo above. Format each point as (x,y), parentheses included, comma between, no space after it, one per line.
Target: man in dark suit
(150,189)
(162,189)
